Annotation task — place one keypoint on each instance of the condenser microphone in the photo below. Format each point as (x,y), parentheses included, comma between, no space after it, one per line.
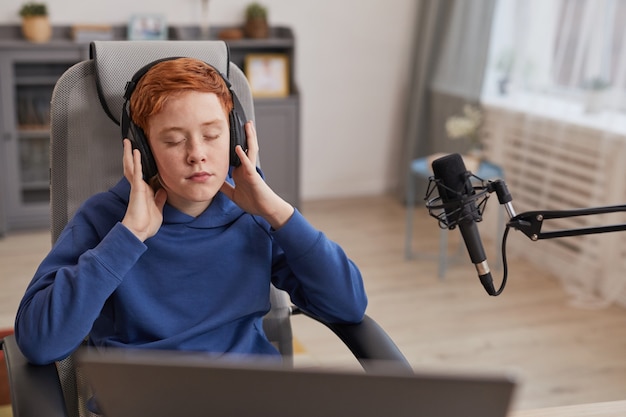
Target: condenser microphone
(458,197)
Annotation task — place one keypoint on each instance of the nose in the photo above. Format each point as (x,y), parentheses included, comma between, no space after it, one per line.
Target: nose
(196,153)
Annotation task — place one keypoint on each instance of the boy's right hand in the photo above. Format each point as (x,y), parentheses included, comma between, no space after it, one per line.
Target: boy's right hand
(144,214)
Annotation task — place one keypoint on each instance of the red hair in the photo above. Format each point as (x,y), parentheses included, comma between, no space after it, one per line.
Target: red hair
(172,77)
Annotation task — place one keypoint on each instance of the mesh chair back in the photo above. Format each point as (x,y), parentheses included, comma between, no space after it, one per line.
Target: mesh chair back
(85,145)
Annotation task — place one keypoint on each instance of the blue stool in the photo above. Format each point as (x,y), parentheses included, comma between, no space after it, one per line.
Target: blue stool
(420,169)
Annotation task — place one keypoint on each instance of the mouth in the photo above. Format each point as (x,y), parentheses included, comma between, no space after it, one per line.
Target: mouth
(199,177)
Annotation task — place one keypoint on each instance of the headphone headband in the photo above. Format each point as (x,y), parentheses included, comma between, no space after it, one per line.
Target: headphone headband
(139,140)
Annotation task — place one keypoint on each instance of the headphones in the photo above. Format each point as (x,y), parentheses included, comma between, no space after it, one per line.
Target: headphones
(138,139)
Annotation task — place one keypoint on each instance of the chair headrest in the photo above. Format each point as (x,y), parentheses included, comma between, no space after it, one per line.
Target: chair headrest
(117,61)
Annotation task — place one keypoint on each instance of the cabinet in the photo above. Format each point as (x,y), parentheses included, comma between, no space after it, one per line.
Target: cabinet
(277,127)
(28,73)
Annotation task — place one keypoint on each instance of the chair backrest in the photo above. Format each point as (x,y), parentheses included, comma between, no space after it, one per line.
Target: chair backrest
(86,147)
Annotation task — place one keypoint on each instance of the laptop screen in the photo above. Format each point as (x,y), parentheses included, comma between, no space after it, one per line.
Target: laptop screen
(160,384)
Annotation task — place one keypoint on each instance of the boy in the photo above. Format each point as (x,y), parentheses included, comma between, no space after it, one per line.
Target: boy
(187,266)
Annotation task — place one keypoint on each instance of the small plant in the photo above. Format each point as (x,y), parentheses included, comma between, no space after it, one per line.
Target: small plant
(256,25)
(34,9)
(596,84)
(35,23)
(256,11)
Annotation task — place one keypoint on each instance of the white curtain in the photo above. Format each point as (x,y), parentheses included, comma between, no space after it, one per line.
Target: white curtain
(554,99)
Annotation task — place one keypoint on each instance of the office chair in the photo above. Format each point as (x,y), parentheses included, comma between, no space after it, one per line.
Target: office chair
(85,155)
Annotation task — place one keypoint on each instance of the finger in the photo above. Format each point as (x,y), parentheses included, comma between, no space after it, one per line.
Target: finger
(252,141)
(127,160)
(245,159)
(243,155)
(137,170)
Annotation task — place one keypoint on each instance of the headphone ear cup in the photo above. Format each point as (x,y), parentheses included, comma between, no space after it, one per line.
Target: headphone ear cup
(139,141)
(237,136)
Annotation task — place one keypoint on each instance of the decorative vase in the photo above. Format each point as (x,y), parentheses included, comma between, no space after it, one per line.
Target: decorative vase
(36,28)
(256,28)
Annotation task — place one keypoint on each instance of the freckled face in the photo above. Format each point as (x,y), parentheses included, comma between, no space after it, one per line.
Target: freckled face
(190,141)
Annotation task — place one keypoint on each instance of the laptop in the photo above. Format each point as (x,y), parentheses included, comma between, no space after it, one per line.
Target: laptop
(167,384)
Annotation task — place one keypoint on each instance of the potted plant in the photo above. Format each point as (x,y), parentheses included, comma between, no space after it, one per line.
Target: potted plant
(256,21)
(35,23)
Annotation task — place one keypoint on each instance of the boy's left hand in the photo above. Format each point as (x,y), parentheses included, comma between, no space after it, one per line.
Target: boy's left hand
(251,192)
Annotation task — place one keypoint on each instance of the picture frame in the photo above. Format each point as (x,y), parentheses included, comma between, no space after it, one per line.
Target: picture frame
(147,27)
(268,74)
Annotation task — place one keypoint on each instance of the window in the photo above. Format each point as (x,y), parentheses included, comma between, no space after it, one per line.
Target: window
(559,48)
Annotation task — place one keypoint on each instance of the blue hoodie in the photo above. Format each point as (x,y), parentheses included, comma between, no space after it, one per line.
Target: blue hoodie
(200,284)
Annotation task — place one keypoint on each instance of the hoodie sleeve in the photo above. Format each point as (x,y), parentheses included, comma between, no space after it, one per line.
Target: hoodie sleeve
(317,273)
(71,285)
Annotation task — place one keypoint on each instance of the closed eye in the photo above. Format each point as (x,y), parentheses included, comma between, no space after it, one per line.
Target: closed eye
(174,141)
(211,133)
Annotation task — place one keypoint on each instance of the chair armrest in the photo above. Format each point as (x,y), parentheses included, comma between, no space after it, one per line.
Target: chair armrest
(369,343)
(277,325)
(35,390)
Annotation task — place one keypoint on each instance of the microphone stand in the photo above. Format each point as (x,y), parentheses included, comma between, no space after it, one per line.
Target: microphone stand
(529,223)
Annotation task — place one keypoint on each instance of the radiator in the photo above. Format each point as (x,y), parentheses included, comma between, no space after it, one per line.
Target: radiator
(555,165)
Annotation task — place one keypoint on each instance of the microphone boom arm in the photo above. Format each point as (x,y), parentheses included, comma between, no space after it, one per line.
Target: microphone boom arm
(530,222)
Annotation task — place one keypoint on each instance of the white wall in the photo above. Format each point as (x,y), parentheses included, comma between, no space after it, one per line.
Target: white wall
(352,59)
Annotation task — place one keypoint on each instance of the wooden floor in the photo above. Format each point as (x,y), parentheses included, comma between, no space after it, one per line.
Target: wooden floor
(562,354)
